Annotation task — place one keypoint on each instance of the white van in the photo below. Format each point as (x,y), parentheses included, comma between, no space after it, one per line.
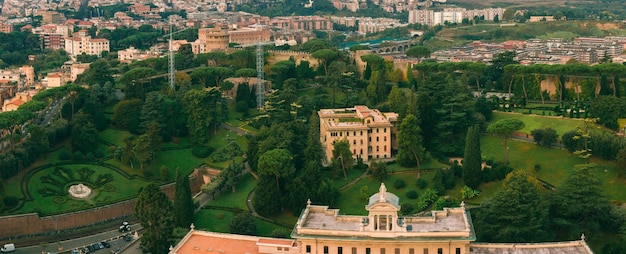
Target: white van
(8,247)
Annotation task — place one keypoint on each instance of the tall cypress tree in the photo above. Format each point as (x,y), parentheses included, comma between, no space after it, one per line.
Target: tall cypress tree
(472,158)
(183,204)
(154,210)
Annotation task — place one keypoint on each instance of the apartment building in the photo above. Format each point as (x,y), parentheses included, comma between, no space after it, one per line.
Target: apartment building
(308,23)
(81,42)
(6,28)
(128,55)
(50,17)
(249,35)
(369,131)
(350,5)
(452,15)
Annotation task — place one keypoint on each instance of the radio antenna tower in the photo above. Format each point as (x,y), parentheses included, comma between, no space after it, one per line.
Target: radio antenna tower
(172,64)
(260,86)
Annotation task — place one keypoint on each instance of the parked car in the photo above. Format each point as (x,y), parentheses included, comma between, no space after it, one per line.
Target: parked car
(125,227)
(8,247)
(128,237)
(106,244)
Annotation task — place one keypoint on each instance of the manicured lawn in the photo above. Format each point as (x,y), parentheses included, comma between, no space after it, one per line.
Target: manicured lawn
(219,221)
(114,136)
(238,198)
(352,202)
(561,125)
(555,164)
(213,220)
(429,164)
(174,159)
(337,178)
(117,189)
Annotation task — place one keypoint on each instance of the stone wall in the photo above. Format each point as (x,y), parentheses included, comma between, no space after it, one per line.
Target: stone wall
(282,55)
(25,225)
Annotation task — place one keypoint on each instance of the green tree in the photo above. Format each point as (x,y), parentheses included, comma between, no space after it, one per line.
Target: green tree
(99,72)
(142,150)
(277,163)
(410,144)
(206,110)
(544,137)
(202,75)
(587,210)
(152,111)
(267,199)
(608,109)
(379,170)
(621,163)
(154,210)
(183,203)
(133,81)
(243,224)
(419,52)
(246,74)
(325,57)
(342,156)
(516,213)
(505,128)
(84,134)
(126,115)
(472,160)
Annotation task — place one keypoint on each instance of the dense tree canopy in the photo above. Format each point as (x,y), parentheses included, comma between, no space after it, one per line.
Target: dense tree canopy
(154,210)
(516,212)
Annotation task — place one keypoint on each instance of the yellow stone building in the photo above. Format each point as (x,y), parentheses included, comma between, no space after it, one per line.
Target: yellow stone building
(320,230)
(369,131)
(383,231)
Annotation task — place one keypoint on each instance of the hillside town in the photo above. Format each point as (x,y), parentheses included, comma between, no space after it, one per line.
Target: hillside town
(309,126)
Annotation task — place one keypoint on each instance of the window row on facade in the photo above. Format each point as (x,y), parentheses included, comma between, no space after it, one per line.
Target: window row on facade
(355,250)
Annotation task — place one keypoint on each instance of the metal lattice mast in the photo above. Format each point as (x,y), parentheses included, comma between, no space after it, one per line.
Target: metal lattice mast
(172,64)
(260,87)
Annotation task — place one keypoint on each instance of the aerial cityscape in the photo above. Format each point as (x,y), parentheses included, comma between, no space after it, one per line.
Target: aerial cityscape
(313,126)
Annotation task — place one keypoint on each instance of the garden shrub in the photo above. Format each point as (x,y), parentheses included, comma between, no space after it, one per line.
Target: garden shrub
(219,156)
(442,202)
(64,155)
(411,194)
(467,192)
(201,151)
(497,172)
(99,153)
(77,156)
(164,171)
(426,199)
(421,183)
(10,201)
(89,156)
(399,184)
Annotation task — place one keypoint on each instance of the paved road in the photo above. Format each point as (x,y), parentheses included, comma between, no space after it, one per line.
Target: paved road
(114,236)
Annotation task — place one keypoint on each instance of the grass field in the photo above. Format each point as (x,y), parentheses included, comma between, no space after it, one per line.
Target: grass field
(120,188)
(116,137)
(555,164)
(352,202)
(219,221)
(238,198)
(531,122)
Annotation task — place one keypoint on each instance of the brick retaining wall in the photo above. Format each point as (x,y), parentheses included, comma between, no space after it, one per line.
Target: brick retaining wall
(24,225)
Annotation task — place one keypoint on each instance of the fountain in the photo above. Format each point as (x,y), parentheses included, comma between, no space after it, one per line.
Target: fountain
(79,191)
